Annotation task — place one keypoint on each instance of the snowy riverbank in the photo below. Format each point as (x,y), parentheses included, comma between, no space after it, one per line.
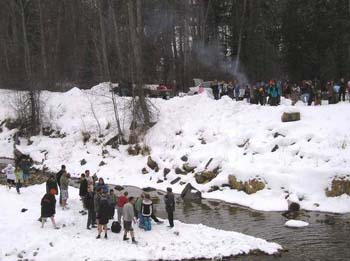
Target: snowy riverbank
(248,141)
(21,235)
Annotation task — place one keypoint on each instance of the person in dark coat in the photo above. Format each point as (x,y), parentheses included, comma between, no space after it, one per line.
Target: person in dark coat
(58,180)
(83,190)
(103,213)
(89,204)
(51,184)
(169,200)
(48,208)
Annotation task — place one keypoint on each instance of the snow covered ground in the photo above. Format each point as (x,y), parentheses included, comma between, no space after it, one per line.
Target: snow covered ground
(22,238)
(238,136)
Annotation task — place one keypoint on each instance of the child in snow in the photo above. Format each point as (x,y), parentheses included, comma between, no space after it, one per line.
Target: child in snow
(10,175)
(48,207)
(146,212)
(19,178)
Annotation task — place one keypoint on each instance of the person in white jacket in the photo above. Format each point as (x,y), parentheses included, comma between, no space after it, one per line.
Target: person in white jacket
(10,175)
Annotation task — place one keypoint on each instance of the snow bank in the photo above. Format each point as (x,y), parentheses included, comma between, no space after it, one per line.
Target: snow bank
(296,223)
(299,158)
(21,235)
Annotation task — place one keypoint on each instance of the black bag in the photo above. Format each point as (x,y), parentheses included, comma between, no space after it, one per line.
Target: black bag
(116,227)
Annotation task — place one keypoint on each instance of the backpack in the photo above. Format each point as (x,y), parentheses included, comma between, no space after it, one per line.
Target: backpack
(116,227)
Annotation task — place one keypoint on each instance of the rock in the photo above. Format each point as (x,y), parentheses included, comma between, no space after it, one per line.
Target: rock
(144,171)
(275,148)
(249,187)
(188,168)
(47,131)
(175,181)
(253,186)
(184,158)
(12,124)
(23,210)
(148,189)
(234,183)
(20,255)
(180,171)
(276,134)
(115,141)
(160,181)
(51,244)
(86,136)
(206,176)
(83,162)
(290,116)
(339,186)
(119,188)
(166,171)
(133,150)
(182,183)
(152,164)
(190,193)
(145,151)
(102,163)
(213,188)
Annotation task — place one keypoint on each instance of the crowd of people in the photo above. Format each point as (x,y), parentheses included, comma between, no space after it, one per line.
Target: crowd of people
(17,176)
(307,91)
(99,204)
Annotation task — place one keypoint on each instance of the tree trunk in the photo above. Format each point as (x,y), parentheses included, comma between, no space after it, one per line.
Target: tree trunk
(240,37)
(121,75)
(43,42)
(136,49)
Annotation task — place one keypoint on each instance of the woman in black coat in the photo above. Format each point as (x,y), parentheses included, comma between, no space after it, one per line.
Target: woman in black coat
(48,207)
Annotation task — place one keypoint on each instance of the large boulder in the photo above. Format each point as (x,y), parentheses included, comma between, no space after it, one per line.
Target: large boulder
(152,164)
(290,116)
(190,193)
(250,187)
(339,186)
(206,176)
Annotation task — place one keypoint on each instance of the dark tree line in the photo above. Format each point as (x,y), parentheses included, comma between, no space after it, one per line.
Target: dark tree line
(55,44)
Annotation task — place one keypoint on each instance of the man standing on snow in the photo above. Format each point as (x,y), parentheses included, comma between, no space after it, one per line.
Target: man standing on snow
(169,200)
(64,182)
(128,218)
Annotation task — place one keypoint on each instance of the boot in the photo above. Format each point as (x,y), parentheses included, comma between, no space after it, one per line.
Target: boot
(98,237)
(106,236)
(125,238)
(134,241)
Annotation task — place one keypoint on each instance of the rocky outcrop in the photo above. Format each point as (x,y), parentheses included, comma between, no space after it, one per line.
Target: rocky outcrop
(250,187)
(339,186)
(290,116)
(191,193)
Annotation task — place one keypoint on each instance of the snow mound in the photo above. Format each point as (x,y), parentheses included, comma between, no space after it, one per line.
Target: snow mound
(21,235)
(296,223)
(298,158)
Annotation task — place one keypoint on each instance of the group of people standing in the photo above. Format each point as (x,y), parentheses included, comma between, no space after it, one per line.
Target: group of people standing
(307,91)
(99,204)
(18,175)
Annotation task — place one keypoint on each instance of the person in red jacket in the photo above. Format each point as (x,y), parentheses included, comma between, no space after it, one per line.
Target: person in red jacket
(122,200)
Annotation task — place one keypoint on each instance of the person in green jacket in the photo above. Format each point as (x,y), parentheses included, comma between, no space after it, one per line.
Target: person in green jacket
(138,206)
(19,178)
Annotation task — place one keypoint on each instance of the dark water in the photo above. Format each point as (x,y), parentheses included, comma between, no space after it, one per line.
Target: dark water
(326,238)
